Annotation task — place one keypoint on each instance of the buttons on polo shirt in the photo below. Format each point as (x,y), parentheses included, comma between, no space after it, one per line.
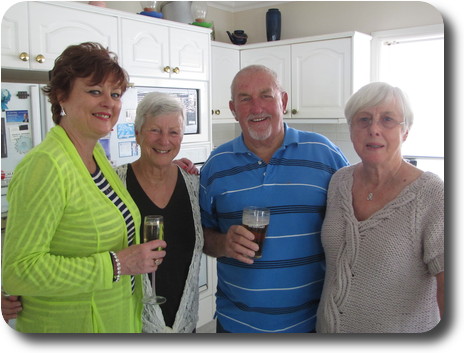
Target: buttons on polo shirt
(260,162)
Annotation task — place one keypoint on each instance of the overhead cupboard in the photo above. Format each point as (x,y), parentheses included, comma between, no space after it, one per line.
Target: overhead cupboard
(225,63)
(35,33)
(32,39)
(319,73)
(160,51)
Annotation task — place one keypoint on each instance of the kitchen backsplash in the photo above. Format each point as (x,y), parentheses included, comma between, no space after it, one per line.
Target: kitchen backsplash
(337,133)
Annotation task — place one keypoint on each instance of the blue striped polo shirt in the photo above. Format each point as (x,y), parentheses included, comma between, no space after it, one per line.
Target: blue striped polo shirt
(280,292)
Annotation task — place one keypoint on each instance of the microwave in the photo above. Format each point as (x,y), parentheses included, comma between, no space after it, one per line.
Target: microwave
(120,145)
(193,95)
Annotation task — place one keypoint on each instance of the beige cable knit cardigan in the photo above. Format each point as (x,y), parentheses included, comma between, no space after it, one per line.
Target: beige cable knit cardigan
(380,272)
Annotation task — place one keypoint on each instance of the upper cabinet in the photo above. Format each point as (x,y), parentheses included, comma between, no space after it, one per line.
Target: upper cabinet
(225,63)
(159,51)
(319,73)
(15,37)
(321,78)
(35,33)
(277,58)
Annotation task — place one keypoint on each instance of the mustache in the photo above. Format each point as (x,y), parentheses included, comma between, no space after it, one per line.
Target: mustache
(259,116)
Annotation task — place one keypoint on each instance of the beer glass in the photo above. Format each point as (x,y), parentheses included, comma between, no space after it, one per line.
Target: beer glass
(153,229)
(256,220)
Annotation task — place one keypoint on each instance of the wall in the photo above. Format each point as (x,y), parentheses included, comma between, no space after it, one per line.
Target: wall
(307,18)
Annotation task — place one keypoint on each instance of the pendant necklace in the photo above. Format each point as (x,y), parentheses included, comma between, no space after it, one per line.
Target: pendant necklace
(370,195)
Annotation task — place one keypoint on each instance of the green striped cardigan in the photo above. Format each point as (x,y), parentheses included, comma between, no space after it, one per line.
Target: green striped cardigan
(60,230)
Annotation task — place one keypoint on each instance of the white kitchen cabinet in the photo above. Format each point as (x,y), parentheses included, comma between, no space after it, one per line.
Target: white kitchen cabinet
(319,73)
(190,52)
(15,37)
(321,78)
(225,63)
(38,32)
(278,59)
(157,51)
(145,48)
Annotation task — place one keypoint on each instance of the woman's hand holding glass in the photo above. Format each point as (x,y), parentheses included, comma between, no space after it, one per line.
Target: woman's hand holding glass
(141,258)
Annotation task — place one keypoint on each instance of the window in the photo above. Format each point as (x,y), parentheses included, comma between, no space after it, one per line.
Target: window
(413,59)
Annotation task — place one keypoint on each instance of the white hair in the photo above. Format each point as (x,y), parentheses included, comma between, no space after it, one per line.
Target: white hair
(157,103)
(374,94)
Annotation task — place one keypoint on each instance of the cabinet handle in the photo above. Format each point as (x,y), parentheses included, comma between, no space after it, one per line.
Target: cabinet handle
(294,111)
(176,70)
(167,69)
(285,112)
(217,112)
(40,58)
(24,56)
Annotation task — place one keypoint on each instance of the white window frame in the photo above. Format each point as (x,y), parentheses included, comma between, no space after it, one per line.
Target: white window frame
(378,38)
(413,33)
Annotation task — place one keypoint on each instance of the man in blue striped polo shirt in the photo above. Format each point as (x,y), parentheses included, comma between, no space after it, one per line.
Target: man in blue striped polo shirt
(288,171)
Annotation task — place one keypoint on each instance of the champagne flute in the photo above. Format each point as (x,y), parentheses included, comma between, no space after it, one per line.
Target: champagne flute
(153,229)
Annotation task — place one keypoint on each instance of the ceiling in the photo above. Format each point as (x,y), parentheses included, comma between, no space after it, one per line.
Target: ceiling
(236,6)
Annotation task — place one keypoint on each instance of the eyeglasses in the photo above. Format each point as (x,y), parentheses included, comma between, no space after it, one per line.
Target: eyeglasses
(386,122)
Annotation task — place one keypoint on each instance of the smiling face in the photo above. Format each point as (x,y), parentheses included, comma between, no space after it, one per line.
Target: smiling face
(258,106)
(160,138)
(91,109)
(377,144)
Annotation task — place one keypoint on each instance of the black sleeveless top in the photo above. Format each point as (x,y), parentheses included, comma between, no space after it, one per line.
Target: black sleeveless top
(179,234)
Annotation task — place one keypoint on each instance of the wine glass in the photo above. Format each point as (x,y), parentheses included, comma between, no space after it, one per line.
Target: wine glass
(153,229)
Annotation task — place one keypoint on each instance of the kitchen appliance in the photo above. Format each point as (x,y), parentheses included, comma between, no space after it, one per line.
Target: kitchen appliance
(25,119)
(120,144)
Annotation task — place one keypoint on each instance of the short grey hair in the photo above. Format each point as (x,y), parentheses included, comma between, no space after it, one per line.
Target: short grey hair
(155,104)
(374,94)
(252,69)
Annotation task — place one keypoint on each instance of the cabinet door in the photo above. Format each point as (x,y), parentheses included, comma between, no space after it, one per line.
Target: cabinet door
(53,28)
(321,78)
(225,63)
(190,53)
(276,58)
(145,48)
(15,37)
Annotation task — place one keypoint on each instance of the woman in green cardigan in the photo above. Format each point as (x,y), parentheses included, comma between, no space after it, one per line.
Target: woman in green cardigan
(71,248)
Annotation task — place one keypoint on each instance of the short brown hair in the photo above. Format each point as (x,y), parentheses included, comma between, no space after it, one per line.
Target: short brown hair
(80,61)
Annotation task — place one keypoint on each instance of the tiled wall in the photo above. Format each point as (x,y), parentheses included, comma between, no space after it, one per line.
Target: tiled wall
(337,133)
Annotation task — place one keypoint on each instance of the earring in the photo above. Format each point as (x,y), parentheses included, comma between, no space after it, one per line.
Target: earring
(63,113)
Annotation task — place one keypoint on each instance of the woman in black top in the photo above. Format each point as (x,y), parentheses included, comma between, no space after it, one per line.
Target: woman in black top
(158,186)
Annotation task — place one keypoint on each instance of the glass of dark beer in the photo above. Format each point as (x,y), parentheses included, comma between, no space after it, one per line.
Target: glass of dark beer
(256,220)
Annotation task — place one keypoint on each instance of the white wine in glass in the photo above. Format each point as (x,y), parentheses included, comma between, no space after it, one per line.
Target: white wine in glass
(153,229)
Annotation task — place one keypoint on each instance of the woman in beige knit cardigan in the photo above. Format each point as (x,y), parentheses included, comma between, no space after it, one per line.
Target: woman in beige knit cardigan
(383,232)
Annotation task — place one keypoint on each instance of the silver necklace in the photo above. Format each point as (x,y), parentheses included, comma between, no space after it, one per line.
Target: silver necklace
(370,195)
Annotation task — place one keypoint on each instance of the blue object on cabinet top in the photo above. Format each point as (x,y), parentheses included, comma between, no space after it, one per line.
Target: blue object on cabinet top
(152,14)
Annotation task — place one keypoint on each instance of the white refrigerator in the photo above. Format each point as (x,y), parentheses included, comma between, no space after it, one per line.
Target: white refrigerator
(25,119)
